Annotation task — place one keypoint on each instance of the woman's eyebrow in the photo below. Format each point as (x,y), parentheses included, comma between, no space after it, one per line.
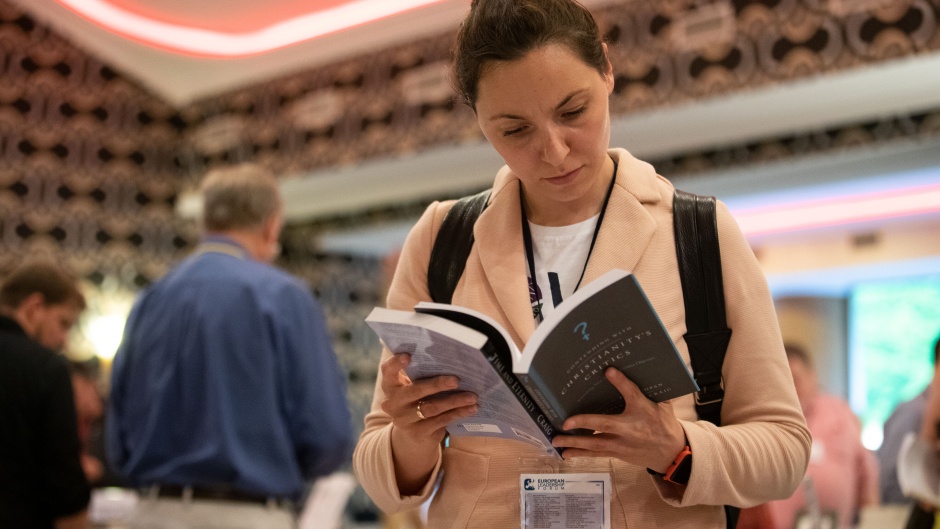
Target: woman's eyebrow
(563,102)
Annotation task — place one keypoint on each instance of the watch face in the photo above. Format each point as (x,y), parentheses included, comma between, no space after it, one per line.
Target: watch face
(683,470)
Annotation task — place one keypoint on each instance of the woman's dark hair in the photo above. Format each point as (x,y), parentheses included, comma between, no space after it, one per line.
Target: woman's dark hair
(505,30)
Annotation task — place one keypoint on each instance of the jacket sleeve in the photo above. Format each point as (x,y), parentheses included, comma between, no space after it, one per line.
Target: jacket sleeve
(373,457)
(761,451)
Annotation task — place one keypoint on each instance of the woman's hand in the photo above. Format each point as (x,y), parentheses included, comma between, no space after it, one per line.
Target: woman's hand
(415,440)
(646,434)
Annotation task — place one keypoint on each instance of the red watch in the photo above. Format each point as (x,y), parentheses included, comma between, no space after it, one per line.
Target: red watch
(680,469)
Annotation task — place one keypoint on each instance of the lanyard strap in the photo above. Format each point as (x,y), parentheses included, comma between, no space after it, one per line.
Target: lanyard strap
(221,247)
(530,252)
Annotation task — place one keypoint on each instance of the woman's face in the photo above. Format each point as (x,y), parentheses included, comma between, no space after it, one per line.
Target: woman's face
(547,115)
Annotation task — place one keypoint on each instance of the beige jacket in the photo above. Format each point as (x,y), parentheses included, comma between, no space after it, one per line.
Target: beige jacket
(760,453)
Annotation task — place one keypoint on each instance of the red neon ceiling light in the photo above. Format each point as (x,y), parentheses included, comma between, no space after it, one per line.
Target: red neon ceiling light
(200,42)
(839,211)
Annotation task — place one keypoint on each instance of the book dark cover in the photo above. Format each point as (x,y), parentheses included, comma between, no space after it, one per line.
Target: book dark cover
(613,326)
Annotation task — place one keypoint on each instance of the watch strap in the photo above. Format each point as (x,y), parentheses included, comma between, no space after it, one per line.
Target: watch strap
(680,470)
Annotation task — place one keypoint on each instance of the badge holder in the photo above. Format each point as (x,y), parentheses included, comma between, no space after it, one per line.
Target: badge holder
(552,495)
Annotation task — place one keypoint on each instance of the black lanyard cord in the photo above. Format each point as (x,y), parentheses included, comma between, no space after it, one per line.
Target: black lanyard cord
(530,252)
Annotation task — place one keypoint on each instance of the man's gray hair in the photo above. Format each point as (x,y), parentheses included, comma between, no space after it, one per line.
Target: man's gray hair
(239,197)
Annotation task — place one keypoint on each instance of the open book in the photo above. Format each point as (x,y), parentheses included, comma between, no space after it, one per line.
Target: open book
(527,395)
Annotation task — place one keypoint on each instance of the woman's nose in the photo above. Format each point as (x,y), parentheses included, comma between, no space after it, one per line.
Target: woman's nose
(554,146)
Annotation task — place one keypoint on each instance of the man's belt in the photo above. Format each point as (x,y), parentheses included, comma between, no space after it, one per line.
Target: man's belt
(215,492)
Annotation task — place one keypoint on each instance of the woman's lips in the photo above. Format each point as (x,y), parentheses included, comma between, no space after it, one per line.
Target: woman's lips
(565,178)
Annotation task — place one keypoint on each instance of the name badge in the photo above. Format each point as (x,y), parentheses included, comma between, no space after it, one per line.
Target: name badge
(560,501)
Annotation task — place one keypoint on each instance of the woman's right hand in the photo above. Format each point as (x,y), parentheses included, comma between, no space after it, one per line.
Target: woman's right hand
(415,440)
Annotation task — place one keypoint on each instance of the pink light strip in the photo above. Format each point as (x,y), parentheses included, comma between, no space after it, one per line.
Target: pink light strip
(214,44)
(839,211)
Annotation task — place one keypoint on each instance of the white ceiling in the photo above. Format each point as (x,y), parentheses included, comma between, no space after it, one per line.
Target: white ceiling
(226,15)
(182,79)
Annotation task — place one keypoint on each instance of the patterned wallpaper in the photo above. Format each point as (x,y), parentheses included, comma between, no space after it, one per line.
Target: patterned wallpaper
(767,41)
(88,169)
(91,164)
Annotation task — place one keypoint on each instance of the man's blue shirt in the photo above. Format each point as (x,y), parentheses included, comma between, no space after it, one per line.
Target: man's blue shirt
(226,376)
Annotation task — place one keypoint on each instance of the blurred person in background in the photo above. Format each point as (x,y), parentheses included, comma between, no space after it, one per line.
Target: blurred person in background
(227,399)
(757,517)
(930,423)
(42,484)
(842,476)
(906,417)
(89,410)
(923,515)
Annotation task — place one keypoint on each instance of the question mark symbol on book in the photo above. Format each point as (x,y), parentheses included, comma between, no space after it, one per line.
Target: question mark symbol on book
(583,327)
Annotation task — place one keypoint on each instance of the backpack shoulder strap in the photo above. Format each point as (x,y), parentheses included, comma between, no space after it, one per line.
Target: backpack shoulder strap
(452,246)
(696,234)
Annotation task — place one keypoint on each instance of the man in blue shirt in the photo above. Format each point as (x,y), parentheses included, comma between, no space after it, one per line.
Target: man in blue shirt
(226,395)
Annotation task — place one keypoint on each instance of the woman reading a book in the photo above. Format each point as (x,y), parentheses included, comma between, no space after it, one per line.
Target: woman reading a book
(565,209)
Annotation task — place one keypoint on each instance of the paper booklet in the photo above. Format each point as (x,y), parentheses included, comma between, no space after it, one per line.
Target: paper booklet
(527,395)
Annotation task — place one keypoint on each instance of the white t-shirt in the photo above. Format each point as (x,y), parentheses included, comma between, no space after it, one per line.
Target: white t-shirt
(560,251)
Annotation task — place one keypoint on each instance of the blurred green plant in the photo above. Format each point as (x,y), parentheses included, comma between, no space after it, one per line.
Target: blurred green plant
(893,325)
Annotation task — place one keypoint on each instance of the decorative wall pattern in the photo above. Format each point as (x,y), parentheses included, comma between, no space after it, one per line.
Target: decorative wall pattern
(87,161)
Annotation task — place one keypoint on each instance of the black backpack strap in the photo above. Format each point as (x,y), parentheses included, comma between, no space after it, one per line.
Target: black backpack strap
(452,246)
(707,336)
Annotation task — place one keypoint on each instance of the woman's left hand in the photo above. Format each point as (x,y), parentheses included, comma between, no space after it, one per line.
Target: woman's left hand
(646,434)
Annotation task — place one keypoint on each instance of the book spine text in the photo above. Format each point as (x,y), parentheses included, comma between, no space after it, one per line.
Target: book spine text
(541,400)
(528,403)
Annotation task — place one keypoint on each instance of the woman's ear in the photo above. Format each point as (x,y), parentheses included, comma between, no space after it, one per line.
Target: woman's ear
(608,71)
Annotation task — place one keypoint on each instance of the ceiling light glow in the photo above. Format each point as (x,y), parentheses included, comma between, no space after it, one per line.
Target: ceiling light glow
(839,211)
(215,44)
